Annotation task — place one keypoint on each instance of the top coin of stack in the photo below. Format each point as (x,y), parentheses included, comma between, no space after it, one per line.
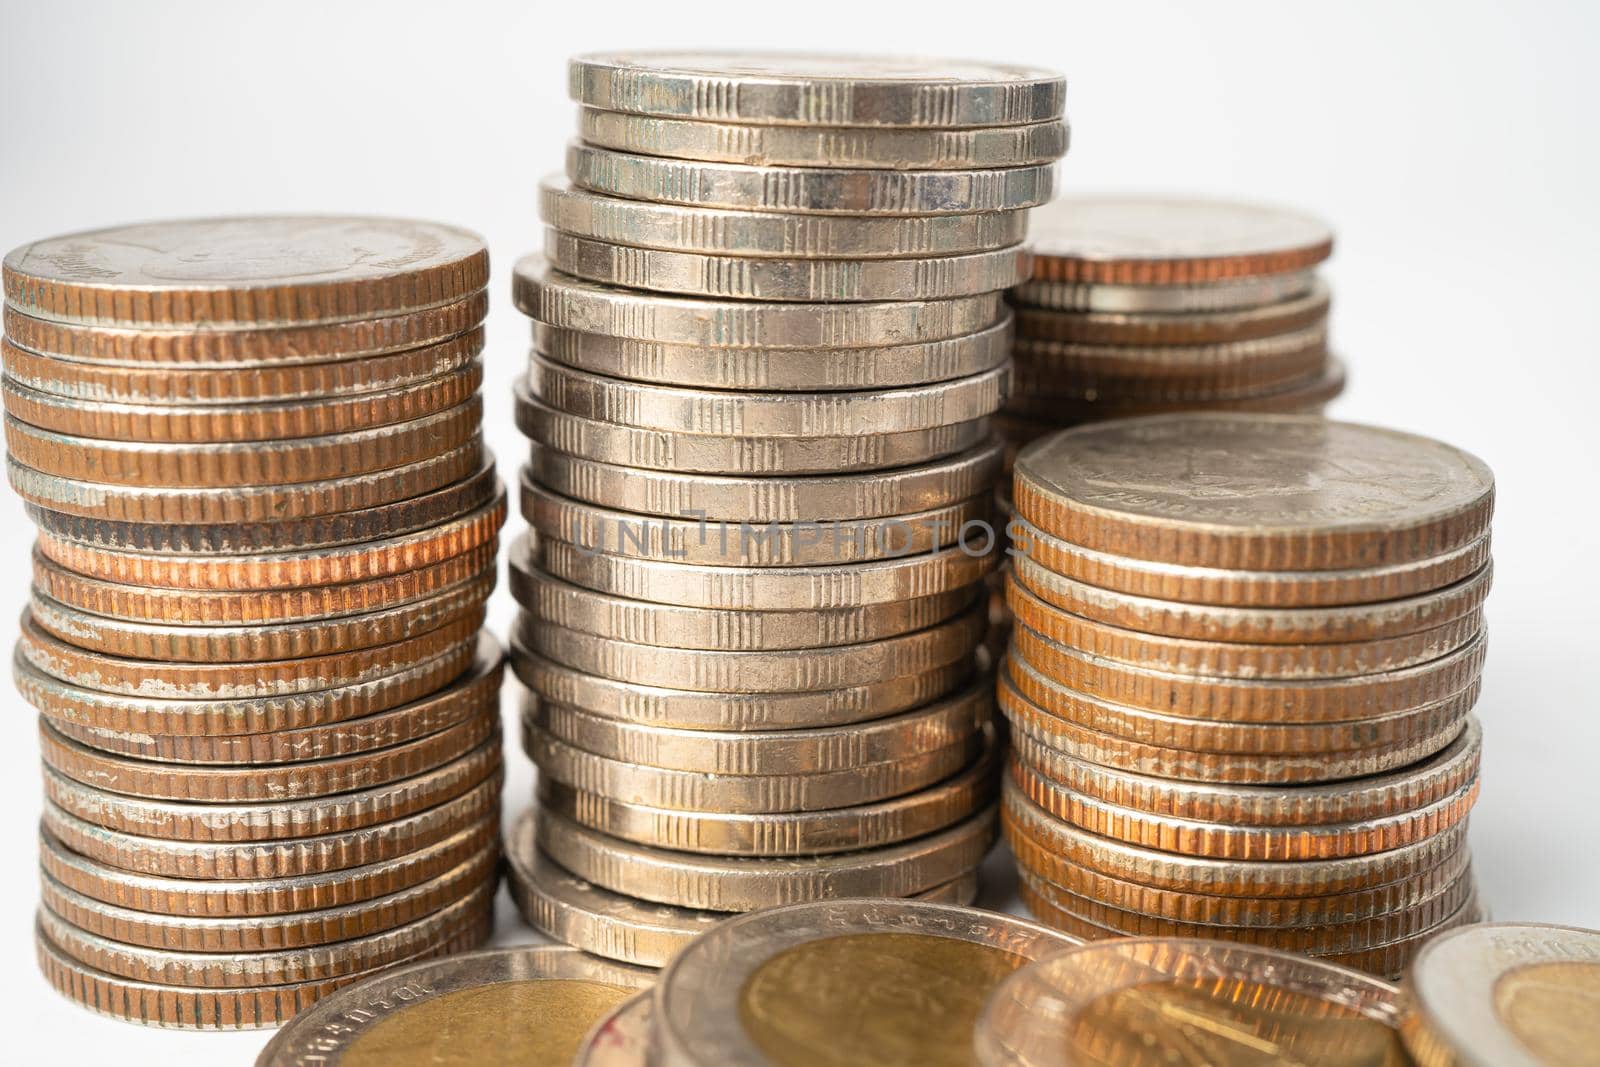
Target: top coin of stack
(1139,306)
(1241,680)
(768,338)
(267,530)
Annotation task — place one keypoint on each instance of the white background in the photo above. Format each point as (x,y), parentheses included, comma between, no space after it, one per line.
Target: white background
(1452,146)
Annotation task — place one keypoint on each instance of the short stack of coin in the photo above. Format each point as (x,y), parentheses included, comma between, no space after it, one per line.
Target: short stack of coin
(1140,306)
(1241,680)
(266,532)
(768,339)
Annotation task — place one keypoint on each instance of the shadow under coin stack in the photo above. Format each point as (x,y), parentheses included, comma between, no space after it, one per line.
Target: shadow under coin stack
(266,532)
(1144,306)
(1241,681)
(767,342)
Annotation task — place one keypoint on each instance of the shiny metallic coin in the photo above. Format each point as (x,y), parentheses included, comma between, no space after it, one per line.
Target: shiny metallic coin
(1169,373)
(1508,994)
(557,299)
(782,370)
(796,279)
(631,446)
(1146,329)
(758,989)
(249,271)
(622,1038)
(770,233)
(867,148)
(1228,294)
(1117,1002)
(1304,396)
(786,88)
(747,883)
(462,1007)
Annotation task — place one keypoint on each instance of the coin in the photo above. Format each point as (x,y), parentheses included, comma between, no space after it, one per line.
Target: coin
(557,299)
(257,271)
(759,588)
(184,505)
(816,90)
(829,369)
(810,146)
(182,351)
(765,988)
(769,233)
(1152,328)
(805,190)
(1288,625)
(476,1006)
(1148,1000)
(796,279)
(631,446)
(1305,396)
(1227,294)
(622,1037)
(1509,994)
(1075,370)
(1153,241)
(1254,493)
(872,825)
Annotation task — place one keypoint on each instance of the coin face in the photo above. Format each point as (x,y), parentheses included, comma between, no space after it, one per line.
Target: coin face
(1507,994)
(250,270)
(1176,1002)
(1157,241)
(873,982)
(1251,491)
(509,1006)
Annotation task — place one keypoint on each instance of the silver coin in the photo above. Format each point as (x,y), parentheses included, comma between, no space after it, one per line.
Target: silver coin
(808,190)
(1233,294)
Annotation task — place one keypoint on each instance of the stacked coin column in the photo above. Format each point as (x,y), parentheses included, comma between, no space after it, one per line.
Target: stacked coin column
(1140,306)
(1241,681)
(266,532)
(766,346)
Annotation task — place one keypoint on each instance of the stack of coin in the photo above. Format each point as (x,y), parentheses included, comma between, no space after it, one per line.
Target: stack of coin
(1140,306)
(266,532)
(768,339)
(830,982)
(1240,683)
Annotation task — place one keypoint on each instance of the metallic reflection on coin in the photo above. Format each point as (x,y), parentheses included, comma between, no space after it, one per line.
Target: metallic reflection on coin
(621,1039)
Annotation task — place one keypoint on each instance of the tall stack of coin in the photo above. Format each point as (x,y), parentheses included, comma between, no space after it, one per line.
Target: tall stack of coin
(1140,306)
(1241,681)
(768,339)
(266,532)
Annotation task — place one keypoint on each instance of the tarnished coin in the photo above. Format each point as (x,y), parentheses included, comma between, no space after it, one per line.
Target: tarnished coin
(1150,328)
(766,988)
(1305,396)
(695,791)
(1070,369)
(732,499)
(622,1038)
(787,88)
(796,279)
(1507,994)
(732,711)
(557,299)
(134,502)
(185,1008)
(770,233)
(476,1006)
(237,466)
(1228,294)
(746,883)
(236,422)
(779,370)
(813,146)
(178,352)
(1254,492)
(1154,241)
(631,446)
(250,271)
(1287,625)
(1154,1000)
(832,414)
(810,833)
(760,588)
(806,190)
(215,388)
